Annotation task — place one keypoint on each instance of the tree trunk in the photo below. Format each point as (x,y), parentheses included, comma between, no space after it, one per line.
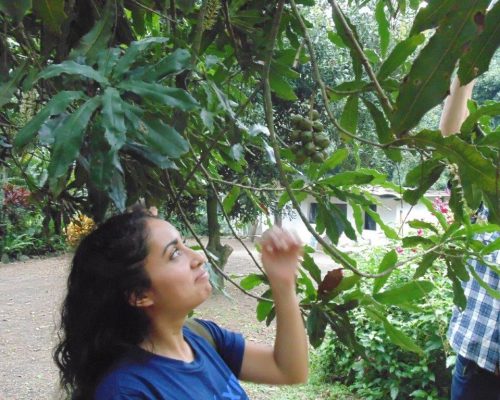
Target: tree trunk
(214,245)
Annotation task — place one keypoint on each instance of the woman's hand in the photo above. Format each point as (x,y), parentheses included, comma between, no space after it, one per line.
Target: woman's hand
(281,251)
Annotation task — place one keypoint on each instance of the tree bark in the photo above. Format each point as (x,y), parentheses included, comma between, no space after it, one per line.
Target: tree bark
(214,246)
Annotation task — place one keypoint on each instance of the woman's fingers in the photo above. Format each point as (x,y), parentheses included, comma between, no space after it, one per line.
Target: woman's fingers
(277,239)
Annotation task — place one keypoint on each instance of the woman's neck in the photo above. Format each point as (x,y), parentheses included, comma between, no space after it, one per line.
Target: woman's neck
(166,339)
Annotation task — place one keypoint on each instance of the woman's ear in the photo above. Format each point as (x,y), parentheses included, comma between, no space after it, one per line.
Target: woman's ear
(140,299)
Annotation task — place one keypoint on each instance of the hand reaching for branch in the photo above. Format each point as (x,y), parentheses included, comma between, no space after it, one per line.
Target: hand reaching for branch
(281,251)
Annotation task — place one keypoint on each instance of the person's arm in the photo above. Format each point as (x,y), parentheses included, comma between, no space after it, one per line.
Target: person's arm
(455,107)
(287,361)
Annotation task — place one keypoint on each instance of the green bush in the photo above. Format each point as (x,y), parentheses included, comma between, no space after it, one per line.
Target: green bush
(388,372)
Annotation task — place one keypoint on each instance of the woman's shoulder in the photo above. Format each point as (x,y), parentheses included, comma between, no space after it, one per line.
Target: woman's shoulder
(126,378)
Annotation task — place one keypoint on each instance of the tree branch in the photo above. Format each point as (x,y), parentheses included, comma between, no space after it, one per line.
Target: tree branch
(366,63)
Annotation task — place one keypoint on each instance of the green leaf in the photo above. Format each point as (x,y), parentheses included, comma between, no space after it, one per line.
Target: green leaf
(349,118)
(383,27)
(357,212)
(492,292)
(473,167)
(98,37)
(335,38)
(489,109)
(68,139)
(456,201)
(414,241)
(163,138)
(52,14)
(383,131)
(482,48)
(72,68)
(231,198)
(425,264)
(425,87)
(117,192)
(281,87)
(337,158)
(251,281)
(342,32)
(16,9)
(176,62)
(264,307)
(491,247)
(8,88)
(134,52)
(418,224)
(157,93)
(316,326)
(389,261)
(405,293)
(311,267)
(347,178)
(113,118)
(388,231)
(397,337)
(399,55)
(423,176)
(57,104)
(431,15)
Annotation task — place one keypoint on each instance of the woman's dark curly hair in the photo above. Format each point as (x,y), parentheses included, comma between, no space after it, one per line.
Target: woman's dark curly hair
(98,324)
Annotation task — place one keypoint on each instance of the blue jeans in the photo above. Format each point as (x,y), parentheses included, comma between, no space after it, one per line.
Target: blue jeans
(471,382)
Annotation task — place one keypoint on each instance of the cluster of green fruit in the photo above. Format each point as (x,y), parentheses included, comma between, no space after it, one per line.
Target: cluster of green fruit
(308,140)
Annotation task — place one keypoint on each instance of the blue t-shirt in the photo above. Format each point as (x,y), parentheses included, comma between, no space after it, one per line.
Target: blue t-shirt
(211,375)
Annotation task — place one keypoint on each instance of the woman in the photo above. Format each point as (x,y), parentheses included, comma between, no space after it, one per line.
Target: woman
(132,284)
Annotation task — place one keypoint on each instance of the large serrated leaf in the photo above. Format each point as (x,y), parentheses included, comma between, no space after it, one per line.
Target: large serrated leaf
(399,55)
(68,139)
(58,104)
(52,14)
(428,82)
(163,138)
(482,48)
(174,63)
(157,93)
(135,51)
(431,15)
(98,37)
(113,118)
(72,68)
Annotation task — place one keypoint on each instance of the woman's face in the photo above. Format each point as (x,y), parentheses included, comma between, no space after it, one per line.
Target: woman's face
(179,282)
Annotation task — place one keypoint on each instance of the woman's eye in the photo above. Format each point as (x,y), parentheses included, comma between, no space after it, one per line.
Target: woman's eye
(175,253)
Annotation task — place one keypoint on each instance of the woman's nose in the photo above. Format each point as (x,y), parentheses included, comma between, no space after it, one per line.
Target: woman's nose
(198,260)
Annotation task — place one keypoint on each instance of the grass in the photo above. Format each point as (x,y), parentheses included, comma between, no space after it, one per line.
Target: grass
(310,391)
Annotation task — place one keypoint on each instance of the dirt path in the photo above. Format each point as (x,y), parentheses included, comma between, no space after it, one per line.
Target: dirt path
(30,297)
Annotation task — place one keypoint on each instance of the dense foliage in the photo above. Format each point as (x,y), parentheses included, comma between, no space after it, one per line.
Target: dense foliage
(105,103)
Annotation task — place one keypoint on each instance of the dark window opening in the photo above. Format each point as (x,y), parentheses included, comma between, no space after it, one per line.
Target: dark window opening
(313,213)
(370,224)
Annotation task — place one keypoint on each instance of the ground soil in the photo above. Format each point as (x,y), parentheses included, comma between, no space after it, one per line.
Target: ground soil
(30,298)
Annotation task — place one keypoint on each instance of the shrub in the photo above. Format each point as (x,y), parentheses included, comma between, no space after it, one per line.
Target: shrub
(388,372)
